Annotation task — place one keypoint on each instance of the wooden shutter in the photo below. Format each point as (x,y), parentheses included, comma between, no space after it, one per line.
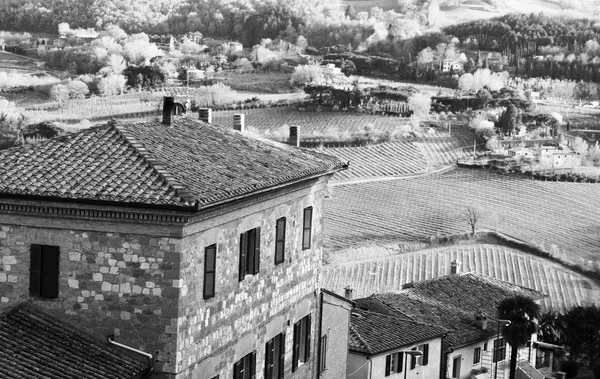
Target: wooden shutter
(256,251)
(210,256)
(306,228)
(269,352)
(425,357)
(280,240)
(388,364)
(250,251)
(35,270)
(243,249)
(237,368)
(323,355)
(400,361)
(296,347)
(281,355)
(252,373)
(50,260)
(307,350)
(413,362)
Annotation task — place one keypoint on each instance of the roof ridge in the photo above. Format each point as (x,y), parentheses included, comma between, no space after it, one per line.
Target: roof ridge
(361,339)
(402,318)
(152,162)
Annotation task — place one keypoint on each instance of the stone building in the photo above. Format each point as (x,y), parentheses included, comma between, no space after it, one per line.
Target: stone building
(191,242)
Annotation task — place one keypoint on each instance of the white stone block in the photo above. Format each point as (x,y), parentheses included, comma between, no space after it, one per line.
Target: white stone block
(146,291)
(99,297)
(127,257)
(121,264)
(85,306)
(80,299)
(115,288)
(177,283)
(85,293)
(106,287)
(114,270)
(112,262)
(9,260)
(125,288)
(125,315)
(74,256)
(12,278)
(156,291)
(4,299)
(5,228)
(3,236)
(141,259)
(104,270)
(137,289)
(73,283)
(2,277)
(150,284)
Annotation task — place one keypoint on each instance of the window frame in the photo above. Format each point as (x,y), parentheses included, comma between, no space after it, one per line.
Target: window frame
(301,347)
(275,357)
(210,273)
(307,228)
(499,351)
(44,271)
(280,226)
(245,368)
(394,363)
(249,256)
(477,355)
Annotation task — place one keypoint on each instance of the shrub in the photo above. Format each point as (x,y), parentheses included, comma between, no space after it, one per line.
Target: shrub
(59,92)
(570,368)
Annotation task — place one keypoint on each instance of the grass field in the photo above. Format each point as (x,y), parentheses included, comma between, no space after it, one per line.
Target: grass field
(388,273)
(562,218)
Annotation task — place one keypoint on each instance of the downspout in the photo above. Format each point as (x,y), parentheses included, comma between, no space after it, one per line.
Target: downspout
(111,339)
(320,336)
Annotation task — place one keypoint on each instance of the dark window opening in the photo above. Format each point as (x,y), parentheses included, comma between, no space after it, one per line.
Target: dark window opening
(43,271)
(210,263)
(477,355)
(245,368)
(280,241)
(275,357)
(301,353)
(393,363)
(249,253)
(307,228)
(499,350)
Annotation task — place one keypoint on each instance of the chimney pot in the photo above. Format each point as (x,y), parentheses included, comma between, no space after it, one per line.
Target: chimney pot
(294,139)
(205,114)
(348,292)
(168,105)
(454,267)
(481,320)
(239,122)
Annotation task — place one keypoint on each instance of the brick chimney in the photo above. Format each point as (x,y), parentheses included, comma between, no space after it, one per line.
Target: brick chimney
(205,115)
(481,320)
(168,107)
(454,265)
(294,139)
(239,122)
(348,292)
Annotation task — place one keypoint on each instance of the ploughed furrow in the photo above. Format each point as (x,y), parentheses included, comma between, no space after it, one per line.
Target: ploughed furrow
(565,288)
(386,159)
(560,218)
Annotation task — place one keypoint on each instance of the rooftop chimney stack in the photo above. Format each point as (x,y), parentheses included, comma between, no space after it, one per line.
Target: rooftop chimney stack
(168,107)
(348,292)
(205,115)
(239,122)
(294,139)
(481,320)
(454,267)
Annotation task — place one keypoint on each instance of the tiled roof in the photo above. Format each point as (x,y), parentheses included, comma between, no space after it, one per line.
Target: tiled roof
(451,302)
(189,164)
(374,333)
(36,345)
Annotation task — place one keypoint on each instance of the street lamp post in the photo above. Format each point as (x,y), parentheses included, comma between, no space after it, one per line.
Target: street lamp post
(413,354)
(503,323)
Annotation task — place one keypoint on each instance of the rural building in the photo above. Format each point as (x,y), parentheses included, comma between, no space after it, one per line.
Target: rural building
(521,152)
(466,306)
(383,345)
(333,341)
(194,243)
(454,66)
(559,158)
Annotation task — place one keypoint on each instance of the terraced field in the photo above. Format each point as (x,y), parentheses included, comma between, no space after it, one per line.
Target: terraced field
(561,218)
(385,159)
(564,287)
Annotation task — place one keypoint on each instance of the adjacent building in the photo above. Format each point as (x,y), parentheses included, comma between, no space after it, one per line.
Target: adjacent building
(193,243)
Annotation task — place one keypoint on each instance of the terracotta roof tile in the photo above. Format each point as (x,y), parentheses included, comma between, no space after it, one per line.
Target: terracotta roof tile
(149,163)
(451,302)
(375,333)
(36,345)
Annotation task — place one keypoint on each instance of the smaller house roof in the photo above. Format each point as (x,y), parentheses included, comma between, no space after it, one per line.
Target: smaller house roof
(374,333)
(34,344)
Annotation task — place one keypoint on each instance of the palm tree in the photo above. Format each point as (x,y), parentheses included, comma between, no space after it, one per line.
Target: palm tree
(523,313)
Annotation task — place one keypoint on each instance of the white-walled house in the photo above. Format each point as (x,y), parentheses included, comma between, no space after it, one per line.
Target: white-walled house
(466,306)
(381,346)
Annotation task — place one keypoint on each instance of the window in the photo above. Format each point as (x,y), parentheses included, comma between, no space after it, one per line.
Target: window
(280,241)
(43,271)
(323,354)
(393,363)
(301,351)
(249,253)
(485,346)
(275,357)
(499,349)
(421,360)
(307,228)
(245,368)
(210,262)
(456,367)
(477,355)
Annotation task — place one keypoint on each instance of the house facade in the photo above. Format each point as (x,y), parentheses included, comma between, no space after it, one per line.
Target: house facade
(196,244)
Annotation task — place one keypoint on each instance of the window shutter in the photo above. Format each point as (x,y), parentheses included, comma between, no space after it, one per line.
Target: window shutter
(256,251)
(281,355)
(400,361)
(388,364)
(236,370)
(280,240)
(296,347)
(413,362)
(210,256)
(49,285)
(243,249)
(306,228)
(308,332)
(425,354)
(250,250)
(35,270)
(269,359)
(252,365)
(323,355)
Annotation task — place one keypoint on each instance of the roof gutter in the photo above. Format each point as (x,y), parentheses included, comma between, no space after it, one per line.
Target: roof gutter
(111,339)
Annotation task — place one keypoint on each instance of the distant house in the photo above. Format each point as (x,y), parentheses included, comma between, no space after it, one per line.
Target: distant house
(466,306)
(454,66)
(559,158)
(521,152)
(383,345)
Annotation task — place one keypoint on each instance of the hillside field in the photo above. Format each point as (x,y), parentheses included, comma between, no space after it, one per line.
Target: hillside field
(561,218)
(564,287)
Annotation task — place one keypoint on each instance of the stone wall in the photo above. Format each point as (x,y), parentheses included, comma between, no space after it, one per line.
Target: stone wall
(335,325)
(109,283)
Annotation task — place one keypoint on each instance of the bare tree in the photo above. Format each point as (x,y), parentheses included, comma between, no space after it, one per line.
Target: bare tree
(472,215)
